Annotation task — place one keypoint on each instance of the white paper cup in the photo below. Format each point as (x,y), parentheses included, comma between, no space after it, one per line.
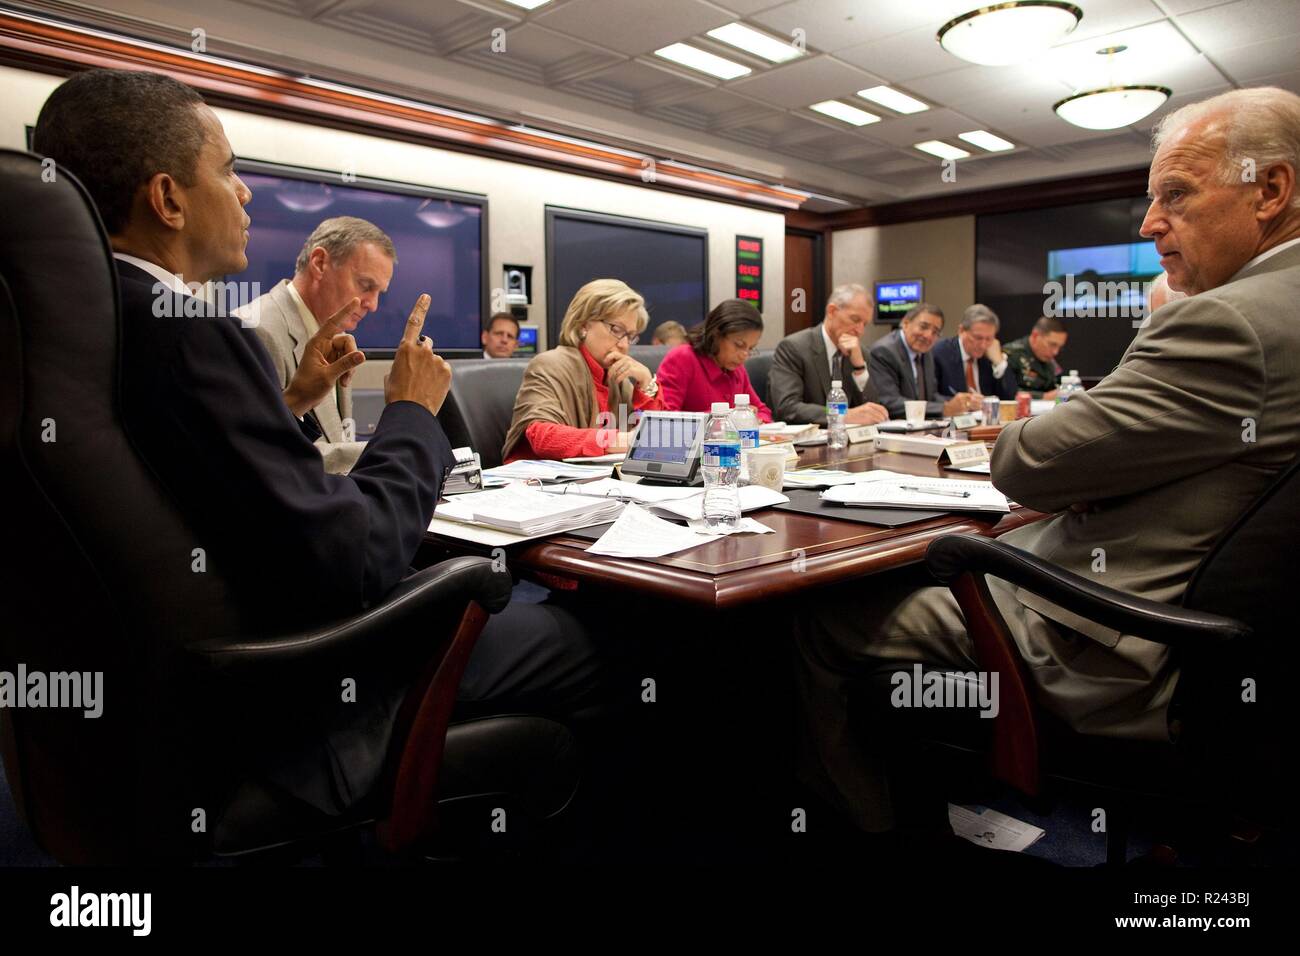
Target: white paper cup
(765,466)
(914,411)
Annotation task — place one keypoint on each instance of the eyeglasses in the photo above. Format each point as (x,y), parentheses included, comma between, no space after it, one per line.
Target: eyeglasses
(621,333)
(927,327)
(742,347)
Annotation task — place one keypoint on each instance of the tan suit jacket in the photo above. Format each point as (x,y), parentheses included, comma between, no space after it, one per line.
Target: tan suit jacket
(1198,418)
(282,331)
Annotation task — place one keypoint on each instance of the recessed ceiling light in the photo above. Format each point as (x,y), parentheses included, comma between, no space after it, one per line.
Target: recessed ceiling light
(753,41)
(528,4)
(1012,32)
(894,100)
(1112,108)
(986,140)
(845,113)
(703,61)
(936,147)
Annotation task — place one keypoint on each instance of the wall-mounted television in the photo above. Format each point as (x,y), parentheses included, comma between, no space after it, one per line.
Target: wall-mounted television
(668,264)
(440,238)
(1084,263)
(894,297)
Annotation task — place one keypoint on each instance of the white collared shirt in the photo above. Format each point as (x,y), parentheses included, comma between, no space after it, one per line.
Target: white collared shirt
(1266,255)
(998,370)
(169,279)
(308,319)
(859,378)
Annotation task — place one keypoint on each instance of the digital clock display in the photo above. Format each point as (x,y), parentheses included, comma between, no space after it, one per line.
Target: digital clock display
(749,270)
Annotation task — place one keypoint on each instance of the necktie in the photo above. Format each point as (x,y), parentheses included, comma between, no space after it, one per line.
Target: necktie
(970,375)
(837,367)
(920,377)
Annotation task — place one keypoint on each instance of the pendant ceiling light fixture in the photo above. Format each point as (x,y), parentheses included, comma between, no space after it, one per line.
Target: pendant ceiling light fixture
(1012,32)
(1112,107)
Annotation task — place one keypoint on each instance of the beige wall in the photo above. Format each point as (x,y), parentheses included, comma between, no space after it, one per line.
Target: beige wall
(940,251)
(517,196)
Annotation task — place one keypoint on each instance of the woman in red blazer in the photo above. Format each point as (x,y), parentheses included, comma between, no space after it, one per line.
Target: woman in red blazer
(710,366)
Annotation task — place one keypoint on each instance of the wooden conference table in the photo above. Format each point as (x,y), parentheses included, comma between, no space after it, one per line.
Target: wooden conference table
(806,551)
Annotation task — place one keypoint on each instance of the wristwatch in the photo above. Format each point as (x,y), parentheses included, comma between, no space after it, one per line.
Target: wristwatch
(858,368)
(650,390)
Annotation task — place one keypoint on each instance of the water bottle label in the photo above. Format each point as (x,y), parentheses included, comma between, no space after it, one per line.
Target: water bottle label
(721,455)
(749,438)
(837,408)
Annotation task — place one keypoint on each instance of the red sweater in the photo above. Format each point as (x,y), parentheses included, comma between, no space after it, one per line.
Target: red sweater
(691,382)
(547,440)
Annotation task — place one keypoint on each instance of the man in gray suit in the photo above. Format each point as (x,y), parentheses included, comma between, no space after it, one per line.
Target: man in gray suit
(806,362)
(1145,471)
(903,368)
(344,259)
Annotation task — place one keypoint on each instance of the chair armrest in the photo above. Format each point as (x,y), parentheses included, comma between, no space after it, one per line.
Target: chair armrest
(957,554)
(457,581)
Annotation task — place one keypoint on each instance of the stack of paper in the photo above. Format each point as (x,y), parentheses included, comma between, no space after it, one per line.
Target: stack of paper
(529,511)
(782,430)
(546,471)
(672,501)
(931,494)
(639,534)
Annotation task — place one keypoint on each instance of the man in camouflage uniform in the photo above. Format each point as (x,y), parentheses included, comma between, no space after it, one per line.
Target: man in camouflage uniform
(1032,359)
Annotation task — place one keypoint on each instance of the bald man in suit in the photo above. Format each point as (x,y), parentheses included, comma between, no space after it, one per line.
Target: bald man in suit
(1142,473)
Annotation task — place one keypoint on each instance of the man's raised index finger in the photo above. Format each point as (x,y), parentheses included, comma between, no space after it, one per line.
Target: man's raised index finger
(415,322)
(335,321)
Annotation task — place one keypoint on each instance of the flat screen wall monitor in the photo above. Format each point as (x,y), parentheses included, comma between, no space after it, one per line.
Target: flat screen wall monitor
(894,298)
(439,236)
(668,264)
(665,447)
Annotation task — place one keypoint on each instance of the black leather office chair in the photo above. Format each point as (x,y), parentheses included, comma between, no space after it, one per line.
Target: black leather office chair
(105,584)
(1230,634)
(484,391)
(757,367)
(649,355)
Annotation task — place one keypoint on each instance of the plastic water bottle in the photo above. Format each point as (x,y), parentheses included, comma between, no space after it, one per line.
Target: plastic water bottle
(721,465)
(837,406)
(745,420)
(1071,385)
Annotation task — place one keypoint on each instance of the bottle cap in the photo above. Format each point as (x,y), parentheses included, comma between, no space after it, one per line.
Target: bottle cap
(836,383)
(721,408)
(742,399)
(1074,373)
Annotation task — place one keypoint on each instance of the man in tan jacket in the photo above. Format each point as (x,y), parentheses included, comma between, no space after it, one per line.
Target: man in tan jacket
(1145,470)
(344,258)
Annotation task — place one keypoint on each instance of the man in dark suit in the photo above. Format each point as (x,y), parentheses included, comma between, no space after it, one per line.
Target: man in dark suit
(205,409)
(972,361)
(807,362)
(903,368)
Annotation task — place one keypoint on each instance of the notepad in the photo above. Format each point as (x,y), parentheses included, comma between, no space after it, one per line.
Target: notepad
(529,511)
(935,494)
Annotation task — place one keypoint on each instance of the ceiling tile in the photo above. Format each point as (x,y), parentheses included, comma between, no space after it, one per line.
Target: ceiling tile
(804,82)
(1246,63)
(746,8)
(917,127)
(832,25)
(1239,24)
(903,56)
(1287,81)
(1176,7)
(1015,84)
(441,27)
(634,26)
(1107,16)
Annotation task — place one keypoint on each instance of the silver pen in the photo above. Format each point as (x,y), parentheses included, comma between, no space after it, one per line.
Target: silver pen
(936,491)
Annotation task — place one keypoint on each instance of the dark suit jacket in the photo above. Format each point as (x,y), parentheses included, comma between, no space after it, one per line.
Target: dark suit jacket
(895,379)
(204,408)
(951,376)
(800,377)
(204,405)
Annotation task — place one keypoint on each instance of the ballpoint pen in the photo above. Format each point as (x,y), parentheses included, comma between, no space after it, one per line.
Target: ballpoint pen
(936,491)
